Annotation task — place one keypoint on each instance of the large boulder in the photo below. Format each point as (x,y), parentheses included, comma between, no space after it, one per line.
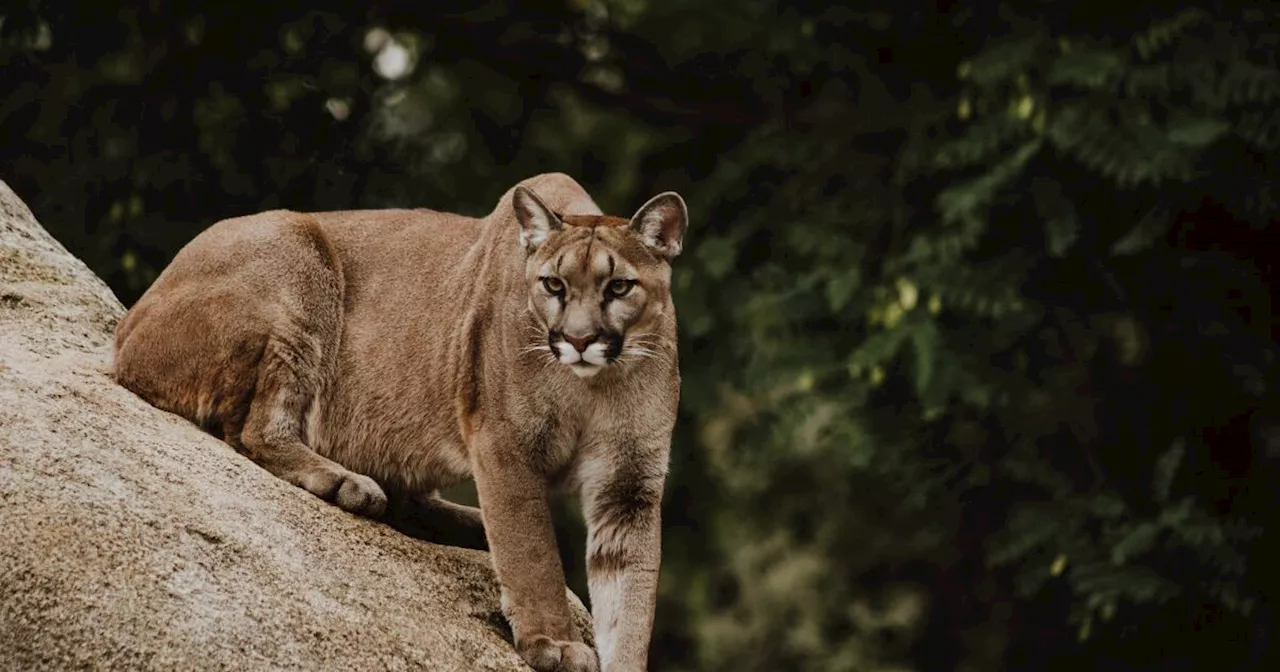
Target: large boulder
(129,539)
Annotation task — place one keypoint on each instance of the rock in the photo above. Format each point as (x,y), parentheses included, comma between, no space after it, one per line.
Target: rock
(129,539)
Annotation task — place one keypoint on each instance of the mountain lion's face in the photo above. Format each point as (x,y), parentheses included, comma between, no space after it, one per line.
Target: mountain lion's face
(599,285)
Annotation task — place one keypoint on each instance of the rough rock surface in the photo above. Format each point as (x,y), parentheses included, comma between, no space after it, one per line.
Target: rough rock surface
(131,540)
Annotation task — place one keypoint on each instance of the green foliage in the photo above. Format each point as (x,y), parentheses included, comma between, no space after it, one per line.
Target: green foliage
(1164,33)
(1062,151)
(1141,135)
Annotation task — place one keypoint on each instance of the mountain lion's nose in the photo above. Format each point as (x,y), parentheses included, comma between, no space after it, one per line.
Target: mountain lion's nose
(580,344)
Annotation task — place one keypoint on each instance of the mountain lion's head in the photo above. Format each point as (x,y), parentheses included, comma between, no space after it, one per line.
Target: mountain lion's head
(600,285)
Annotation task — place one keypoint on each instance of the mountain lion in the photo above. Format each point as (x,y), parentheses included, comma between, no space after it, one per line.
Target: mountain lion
(362,354)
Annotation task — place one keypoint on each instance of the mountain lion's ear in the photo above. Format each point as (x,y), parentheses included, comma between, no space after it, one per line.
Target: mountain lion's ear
(537,222)
(660,223)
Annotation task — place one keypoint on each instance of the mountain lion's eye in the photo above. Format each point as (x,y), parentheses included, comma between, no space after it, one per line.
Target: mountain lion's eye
(619,287)
(553,285)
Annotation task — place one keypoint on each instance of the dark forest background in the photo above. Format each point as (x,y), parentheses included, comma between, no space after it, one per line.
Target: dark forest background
(979,336)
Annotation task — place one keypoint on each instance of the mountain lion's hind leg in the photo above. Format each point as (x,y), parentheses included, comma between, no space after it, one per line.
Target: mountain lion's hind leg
(299,364)
(273,432)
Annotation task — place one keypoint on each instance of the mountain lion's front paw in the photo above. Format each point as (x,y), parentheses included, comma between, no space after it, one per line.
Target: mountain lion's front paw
(353,492)
(361,495)
(547,655)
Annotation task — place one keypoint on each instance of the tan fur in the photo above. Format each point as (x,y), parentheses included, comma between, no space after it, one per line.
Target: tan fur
(365,353)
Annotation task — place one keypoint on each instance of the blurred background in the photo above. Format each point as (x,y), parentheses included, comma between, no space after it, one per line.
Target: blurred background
(978,327)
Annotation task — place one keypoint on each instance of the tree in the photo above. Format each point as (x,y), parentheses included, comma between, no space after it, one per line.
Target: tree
(1003,363)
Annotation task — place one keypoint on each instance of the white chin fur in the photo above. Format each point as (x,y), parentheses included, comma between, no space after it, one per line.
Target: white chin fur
(584,369)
